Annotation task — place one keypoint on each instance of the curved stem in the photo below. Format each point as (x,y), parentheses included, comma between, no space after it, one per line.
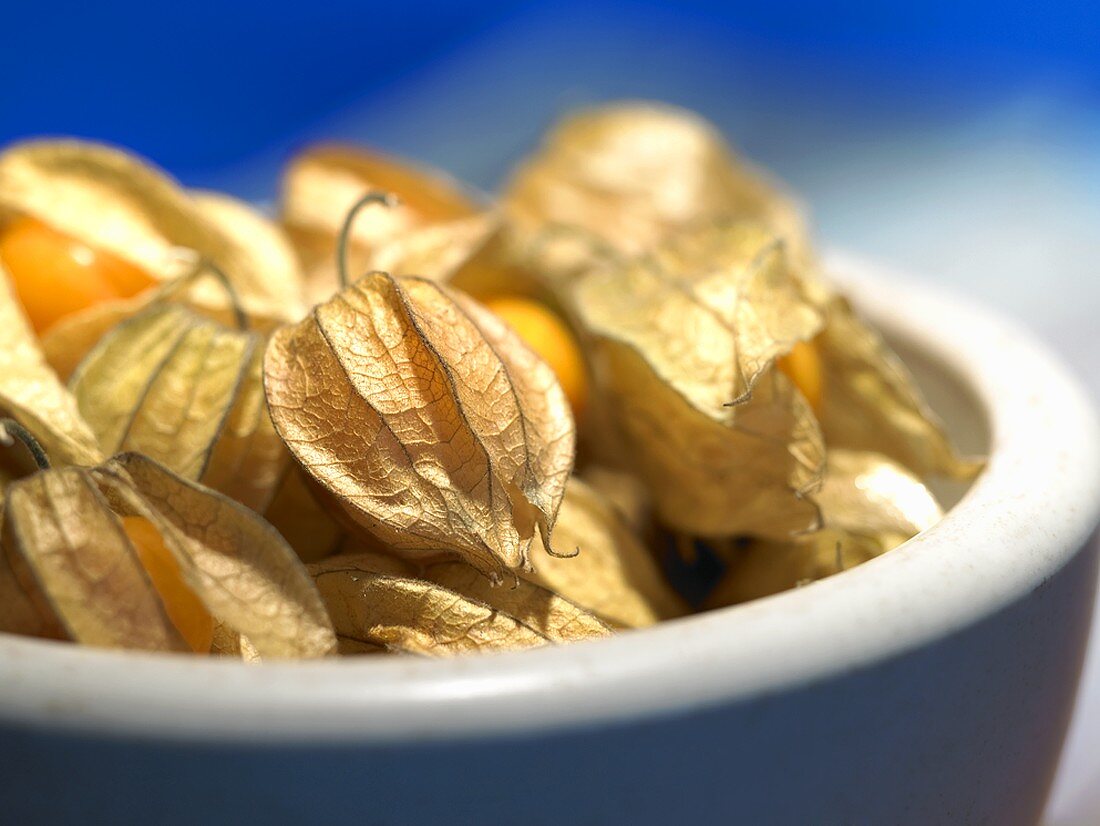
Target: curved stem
(373,197)
(11,431)
(199,268)
(239,315)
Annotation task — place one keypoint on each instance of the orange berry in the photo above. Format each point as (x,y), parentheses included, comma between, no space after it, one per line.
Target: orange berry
(549,336)
(803,366)
(55,274)
(184,609)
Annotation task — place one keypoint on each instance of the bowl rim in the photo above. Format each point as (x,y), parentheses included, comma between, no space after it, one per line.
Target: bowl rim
(1023,519)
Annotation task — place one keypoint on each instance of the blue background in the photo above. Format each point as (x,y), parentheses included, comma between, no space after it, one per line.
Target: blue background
(201,86)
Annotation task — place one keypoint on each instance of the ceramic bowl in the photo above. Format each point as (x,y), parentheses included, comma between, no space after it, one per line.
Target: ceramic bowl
(931,685)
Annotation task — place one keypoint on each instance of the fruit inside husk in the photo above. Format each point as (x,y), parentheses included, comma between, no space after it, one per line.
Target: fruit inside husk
(406,418)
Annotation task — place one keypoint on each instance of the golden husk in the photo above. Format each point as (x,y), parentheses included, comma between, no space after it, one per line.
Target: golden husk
(612,573)
(322,183)
(539,608)
(873,404)
(32,394)
(870,505)
(683,348)
(632,175)
(64,541)
(188,392)
(117,202)
(429,422)
(412,616)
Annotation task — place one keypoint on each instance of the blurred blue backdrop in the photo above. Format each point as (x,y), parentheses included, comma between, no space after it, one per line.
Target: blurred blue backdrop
(202,85)
(958,139)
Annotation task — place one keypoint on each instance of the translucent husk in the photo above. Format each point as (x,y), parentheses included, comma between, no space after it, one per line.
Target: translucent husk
(870,504)
(425,419)
(187,391)
(322,183)
(68,554)
(683,344)
(119,203)
(603,565)
(633,175)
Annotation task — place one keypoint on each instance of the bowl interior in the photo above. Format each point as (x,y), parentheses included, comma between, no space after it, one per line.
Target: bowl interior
(1045,462)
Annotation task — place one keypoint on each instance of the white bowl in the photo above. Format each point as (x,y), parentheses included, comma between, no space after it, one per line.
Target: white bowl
(932,685)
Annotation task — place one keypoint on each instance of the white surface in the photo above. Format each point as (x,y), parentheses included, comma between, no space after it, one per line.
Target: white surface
(1029,512)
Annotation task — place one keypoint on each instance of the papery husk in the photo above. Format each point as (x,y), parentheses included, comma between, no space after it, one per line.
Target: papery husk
(69,340)
(78,567)
(163,383)
(539,608)
(247,461)
(32,394)
(228,643)
(548,614)
(269,250)
(472,254)
(236,563)
(684,344)
(872,403)
(119,203)
(305,522)
(64,541)
(637,174)
(612,574)
(188,392)
(412,616)
(366,556)
(425,418)
(870,504)
(322,183)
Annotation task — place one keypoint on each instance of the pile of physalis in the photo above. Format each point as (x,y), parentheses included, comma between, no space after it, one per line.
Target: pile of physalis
(407,418)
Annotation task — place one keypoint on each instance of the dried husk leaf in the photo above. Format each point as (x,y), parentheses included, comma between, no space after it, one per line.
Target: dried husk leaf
(540,609)
(77,567)
(188,393)
(362,556)
(117,202)
(411,615)
(267,246)
(70,339)
(636,174)
(430,423)
(164,383)
(248,461)
(872,402)
(71,571)
(306,524)
(228,643)
(435,251)
(31,393)
(473,254)
(236,564)
(870,505)
(323,182)
(684,343)
(613,575)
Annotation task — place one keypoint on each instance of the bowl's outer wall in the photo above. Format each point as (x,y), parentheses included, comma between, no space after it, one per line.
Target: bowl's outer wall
(955,732)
